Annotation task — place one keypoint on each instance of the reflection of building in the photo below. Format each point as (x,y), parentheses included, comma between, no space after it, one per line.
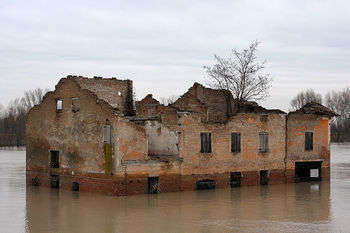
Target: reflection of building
(275,208)
(85,136)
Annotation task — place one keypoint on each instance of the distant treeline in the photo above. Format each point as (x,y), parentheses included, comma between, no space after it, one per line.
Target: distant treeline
(13,117)
(339,102)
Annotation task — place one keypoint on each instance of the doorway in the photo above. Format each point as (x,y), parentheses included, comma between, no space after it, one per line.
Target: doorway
(153,185)
(235,179)
(55,181)
(264,177)
(54,159)
(308,171)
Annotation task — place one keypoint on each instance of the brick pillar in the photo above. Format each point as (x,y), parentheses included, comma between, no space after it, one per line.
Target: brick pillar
(108,159)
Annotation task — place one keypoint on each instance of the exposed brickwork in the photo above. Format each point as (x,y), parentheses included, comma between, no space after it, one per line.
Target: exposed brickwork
(216,105)
(148,106)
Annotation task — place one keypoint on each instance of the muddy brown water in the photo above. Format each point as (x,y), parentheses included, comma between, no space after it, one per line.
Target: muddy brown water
(302,207)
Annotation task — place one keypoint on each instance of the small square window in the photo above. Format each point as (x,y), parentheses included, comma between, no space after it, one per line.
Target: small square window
(59,105)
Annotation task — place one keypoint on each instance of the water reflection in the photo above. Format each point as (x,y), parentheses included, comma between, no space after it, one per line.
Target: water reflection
(254,208)
(302,207)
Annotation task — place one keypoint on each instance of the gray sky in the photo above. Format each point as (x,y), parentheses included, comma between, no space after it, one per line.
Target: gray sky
(164,46)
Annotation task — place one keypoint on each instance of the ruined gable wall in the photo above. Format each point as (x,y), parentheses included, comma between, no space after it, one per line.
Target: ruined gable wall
(222,160)
(215,100)
(78,136)
(189,102)
(108,90)
(298,124)
(147,106)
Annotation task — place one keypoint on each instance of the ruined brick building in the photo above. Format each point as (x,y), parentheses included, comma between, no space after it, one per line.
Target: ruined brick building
(84,136)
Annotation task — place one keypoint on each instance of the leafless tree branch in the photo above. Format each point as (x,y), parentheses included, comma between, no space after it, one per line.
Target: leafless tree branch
(241,74)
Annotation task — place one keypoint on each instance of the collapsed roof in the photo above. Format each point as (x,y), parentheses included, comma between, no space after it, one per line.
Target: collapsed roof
(315,108)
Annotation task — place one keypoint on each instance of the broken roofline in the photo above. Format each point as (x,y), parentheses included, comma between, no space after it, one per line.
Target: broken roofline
(316,109)
(242,106)
(253,107)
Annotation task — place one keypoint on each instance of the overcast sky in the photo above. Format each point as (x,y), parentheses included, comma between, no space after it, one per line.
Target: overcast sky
(164,46)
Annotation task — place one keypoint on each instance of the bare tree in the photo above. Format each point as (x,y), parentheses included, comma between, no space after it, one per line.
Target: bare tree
(2,110)
(241,74)
(305,97)
(168,100)
(340,103)
(33,97)
(13,117)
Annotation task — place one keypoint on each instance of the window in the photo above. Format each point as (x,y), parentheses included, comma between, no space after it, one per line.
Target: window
(309,142)
(75,104)
(59,105)
(263,142)
(235,142)
(205,142)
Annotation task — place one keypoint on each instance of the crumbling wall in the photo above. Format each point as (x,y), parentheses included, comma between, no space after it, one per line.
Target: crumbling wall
(113,91)
(161,141)
(216,104)
(148,106)
(169,117)
(188,102)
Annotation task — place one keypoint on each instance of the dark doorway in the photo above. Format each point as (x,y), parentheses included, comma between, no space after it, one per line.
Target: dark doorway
(264,177)
(153,185)
(308,171)
(54,159)
(235,179)
(205,184)
(75,186)
(55,181)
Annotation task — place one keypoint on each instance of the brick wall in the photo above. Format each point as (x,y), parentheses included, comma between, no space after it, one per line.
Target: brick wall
(216,105)
(222,160)
(298,124)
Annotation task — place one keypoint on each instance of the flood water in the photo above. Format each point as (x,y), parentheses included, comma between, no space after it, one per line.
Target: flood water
(302,207)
